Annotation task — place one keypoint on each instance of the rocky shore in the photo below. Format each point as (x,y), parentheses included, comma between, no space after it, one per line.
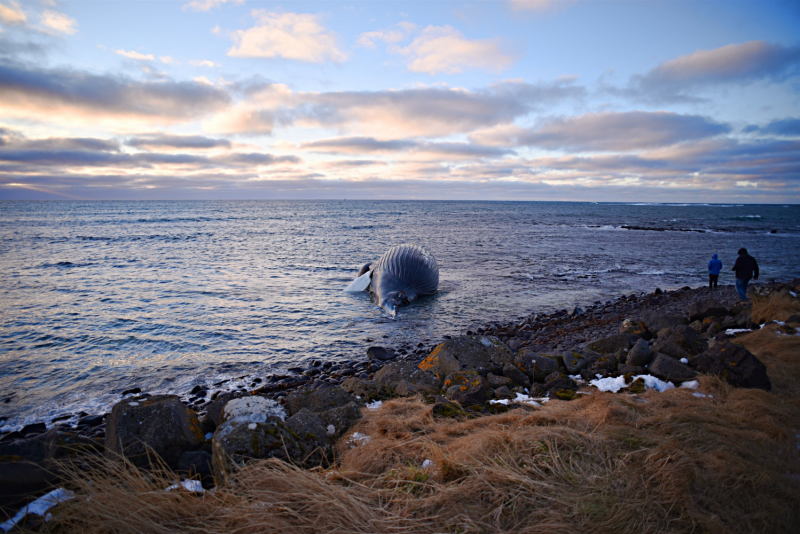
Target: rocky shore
(671,336)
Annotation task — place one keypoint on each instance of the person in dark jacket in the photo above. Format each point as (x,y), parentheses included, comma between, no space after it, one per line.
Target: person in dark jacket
(746,268)
(714,267)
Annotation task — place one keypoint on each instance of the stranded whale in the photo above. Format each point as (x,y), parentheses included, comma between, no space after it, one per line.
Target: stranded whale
(402,274)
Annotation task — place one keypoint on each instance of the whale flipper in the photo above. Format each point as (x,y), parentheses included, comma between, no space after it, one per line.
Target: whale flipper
(359,284)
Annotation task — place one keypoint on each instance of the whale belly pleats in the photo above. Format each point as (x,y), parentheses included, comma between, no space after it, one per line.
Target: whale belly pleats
(407,268)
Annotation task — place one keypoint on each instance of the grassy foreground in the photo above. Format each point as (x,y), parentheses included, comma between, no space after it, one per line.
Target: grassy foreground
(656,462)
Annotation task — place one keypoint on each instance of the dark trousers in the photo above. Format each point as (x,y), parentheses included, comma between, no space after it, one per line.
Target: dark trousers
(712,281)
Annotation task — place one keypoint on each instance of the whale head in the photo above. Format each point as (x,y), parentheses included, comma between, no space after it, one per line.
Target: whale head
(393,301)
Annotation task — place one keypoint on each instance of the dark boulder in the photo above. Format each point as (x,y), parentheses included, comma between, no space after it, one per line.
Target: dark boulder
(161,424)
(706,308)
(635,327)
(380,353)
(656,321)
(639,355)
(337,421)
(467,388)
(317,400)
(670,348)
(197,463)
(667,368)
(513,373)
(366,390)
(535,365)
(735,364)
(495,381)
(686,338)
(214,410)
(576,361)
(391,375)
(473,353)
(610,344)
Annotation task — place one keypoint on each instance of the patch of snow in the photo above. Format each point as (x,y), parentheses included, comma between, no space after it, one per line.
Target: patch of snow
(780,323)
(209,436)
(39,507)
(331,430)
(426,464)
(523,399)
(133,404)
(374,405)
(189,485)
(684,361)
(692,384)
(578,379)
(252,426)
(486,342)
(698,394)
(358,439)
(792,293)
(615,384)
(734,331)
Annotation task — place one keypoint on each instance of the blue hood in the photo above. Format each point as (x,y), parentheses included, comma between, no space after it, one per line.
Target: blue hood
(714,257)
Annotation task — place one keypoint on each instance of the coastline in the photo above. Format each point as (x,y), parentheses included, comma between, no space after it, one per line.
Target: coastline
(389,382)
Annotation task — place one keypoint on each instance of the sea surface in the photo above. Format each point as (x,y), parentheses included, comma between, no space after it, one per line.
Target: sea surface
(100,297)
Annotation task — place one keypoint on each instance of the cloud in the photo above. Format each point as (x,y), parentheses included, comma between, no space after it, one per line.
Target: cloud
(539,5)
(731,64)
(431,112)
(443,49)
(11,13)
(203,63)
(135,55)
(396,34)
(633,130)
(781,128)
(166,59)
(361,145)
(67,95)
(208,5)
(55,22)
(168,142)
(287,35)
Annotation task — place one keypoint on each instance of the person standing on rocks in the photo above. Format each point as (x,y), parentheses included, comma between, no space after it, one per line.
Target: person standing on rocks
(714,267)
(746,268)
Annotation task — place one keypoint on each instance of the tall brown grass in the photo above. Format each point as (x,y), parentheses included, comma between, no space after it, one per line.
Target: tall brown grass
(656,462)
(775,306)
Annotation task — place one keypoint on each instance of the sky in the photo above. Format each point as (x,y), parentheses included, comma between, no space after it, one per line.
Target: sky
(592,100)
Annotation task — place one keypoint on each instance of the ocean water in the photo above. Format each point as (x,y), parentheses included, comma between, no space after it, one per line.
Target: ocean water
(99,297)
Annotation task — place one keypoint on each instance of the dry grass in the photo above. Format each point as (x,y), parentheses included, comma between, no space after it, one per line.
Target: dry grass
(659,462)
(777,305)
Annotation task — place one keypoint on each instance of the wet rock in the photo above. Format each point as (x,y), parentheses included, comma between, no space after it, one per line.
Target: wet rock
(29,431)
(132,391)
(706,308)
(667,368)
(514,344)
(466,387)
(560,386)
(476,353)
(735,364)
(317,400)
(655,320)
(91,420)
(604,365)
(535,365)
(158,424)
(391,375)
(639,355)
(514,374)
(610,344)
(380,353)
(697,326)
(368,390)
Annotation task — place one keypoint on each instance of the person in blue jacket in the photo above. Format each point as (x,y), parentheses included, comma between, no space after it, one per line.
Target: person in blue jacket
(714,267)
